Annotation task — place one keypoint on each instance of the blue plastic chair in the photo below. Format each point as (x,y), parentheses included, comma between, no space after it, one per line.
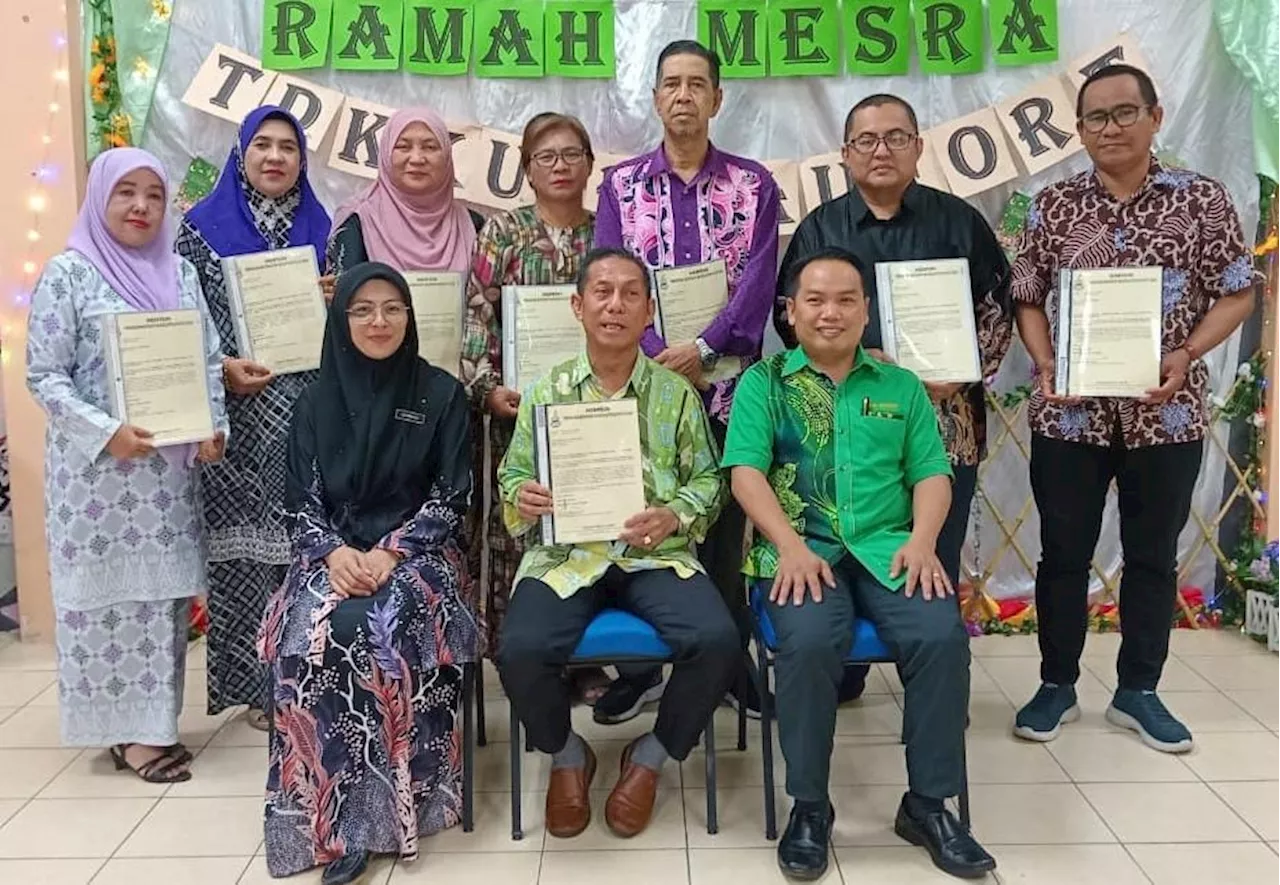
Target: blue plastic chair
(616,637)
(865,647)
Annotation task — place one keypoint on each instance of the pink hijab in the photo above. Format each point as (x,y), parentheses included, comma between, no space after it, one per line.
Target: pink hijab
(146,277)
(428,231)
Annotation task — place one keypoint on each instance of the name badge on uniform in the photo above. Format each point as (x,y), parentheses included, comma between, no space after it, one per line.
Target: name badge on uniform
(410,417)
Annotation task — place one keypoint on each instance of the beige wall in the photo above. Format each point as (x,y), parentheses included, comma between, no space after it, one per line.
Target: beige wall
(27,45)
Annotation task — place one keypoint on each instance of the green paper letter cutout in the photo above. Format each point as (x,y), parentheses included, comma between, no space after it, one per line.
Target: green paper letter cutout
(366,34)
(508,38)
(580,38)
(878,35)
(295,34)
(949,36)
(804,38)
(437,36)
(735,31)
(1024,32)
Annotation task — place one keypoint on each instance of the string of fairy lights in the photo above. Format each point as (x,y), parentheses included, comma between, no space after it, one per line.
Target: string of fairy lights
(44,177)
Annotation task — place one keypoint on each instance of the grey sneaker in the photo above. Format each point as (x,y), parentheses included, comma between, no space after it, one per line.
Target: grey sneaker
(1143,712)
(1044,715)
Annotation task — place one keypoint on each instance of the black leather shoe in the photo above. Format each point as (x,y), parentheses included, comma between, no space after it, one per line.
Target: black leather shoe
(346,870)
(806,843)
(952,847)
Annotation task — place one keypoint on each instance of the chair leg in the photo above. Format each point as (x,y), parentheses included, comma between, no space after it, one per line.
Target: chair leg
(964,787)
(742,709)
(468,747)
(709,739)
(482,737)
(517,831)
(766,748)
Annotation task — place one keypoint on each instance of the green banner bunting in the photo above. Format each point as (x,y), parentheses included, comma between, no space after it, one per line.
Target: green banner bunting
(367,34)
(735,30)
(579,38)
(804,38)
(949,36)
(295,34)
(509,38)
(1023,32)
(437,37)
(878,36)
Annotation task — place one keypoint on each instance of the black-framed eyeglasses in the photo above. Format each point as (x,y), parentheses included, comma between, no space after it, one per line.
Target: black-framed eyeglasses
(393,312)
(571,157)
(894,140)
(1124,116)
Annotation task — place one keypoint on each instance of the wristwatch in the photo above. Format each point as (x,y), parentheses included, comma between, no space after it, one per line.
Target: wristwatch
(706,354)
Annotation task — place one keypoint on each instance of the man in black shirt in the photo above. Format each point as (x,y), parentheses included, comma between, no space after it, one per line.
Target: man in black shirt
(889,216)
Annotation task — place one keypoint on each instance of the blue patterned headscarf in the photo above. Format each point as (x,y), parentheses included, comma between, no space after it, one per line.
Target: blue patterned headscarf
(227,219)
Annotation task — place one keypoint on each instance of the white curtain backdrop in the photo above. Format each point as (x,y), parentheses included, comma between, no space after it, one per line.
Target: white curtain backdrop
(1208,125)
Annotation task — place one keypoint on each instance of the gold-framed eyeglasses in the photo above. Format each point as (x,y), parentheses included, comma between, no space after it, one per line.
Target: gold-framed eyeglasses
(571,157)
(1124,115)
(894,140)
(393,312)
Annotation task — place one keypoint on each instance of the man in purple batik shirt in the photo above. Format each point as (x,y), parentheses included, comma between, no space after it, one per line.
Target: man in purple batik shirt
(687,203)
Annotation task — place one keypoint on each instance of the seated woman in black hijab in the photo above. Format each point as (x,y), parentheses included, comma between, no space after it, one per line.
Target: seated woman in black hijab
(367,637)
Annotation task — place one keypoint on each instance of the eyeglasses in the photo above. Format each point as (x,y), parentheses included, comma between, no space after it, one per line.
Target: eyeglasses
(894,140)
(1124,115)
(363,314)
(571,157)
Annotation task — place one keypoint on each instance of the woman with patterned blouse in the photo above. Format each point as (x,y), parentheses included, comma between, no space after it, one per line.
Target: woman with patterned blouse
(536,245)
(263,201)
(123,528)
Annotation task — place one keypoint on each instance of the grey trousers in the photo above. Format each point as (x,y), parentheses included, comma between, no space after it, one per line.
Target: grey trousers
(931,646)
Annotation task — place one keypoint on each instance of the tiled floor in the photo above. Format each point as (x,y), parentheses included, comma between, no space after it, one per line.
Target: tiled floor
(1095,806)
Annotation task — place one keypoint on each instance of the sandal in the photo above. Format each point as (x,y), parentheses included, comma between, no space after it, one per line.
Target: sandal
(164,769)
(179,753)
(257,719)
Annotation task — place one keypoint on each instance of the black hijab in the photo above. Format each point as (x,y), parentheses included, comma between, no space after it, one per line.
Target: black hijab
(374,429)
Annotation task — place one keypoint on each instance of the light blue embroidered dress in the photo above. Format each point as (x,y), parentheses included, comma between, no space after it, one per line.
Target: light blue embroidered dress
(125,547)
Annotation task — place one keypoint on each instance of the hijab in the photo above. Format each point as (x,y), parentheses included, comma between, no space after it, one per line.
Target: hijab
(375,420)
(237,219)
(145,276)
(430,231)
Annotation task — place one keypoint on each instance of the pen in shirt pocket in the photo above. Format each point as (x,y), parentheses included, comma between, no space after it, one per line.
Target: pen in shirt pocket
(866,406)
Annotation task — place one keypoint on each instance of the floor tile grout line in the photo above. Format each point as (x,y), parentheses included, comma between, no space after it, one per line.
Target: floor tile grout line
(1141,869)
(1223,799)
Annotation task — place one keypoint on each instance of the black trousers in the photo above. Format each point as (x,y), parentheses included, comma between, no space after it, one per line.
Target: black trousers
(541,630)
(931,646)
(1069,481)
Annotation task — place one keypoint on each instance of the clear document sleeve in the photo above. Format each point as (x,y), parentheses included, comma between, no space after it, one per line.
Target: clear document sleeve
(277,308)
(539,331)
(1108,331)
(589,455)
(689,299)
(156,365)
(439,307)
(926,318)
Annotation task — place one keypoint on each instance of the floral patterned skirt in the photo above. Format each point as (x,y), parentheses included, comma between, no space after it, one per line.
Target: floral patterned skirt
(366,749)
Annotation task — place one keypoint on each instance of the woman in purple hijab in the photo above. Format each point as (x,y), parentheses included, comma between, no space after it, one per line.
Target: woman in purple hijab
(125,553)
(262,202)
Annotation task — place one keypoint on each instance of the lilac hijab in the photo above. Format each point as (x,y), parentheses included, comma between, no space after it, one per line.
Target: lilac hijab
(145,277)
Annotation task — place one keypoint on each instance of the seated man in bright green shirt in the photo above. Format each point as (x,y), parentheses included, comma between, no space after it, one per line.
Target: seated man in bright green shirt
(837,461)
(651,570)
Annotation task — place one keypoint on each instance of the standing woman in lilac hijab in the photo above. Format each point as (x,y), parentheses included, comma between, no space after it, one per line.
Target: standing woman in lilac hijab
(262,201)
(125,551)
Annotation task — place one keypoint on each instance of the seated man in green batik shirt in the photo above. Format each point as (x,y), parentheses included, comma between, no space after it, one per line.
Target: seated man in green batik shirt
(837,461)
(651,570)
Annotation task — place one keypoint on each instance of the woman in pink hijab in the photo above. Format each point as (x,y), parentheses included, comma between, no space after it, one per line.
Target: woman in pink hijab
(408,218)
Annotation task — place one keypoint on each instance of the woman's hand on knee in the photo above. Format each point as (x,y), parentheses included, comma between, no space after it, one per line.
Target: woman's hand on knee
(380,563)
(349,575)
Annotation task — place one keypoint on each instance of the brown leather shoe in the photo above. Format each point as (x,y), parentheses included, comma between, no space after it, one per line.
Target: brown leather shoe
(630,804)
(569,799)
